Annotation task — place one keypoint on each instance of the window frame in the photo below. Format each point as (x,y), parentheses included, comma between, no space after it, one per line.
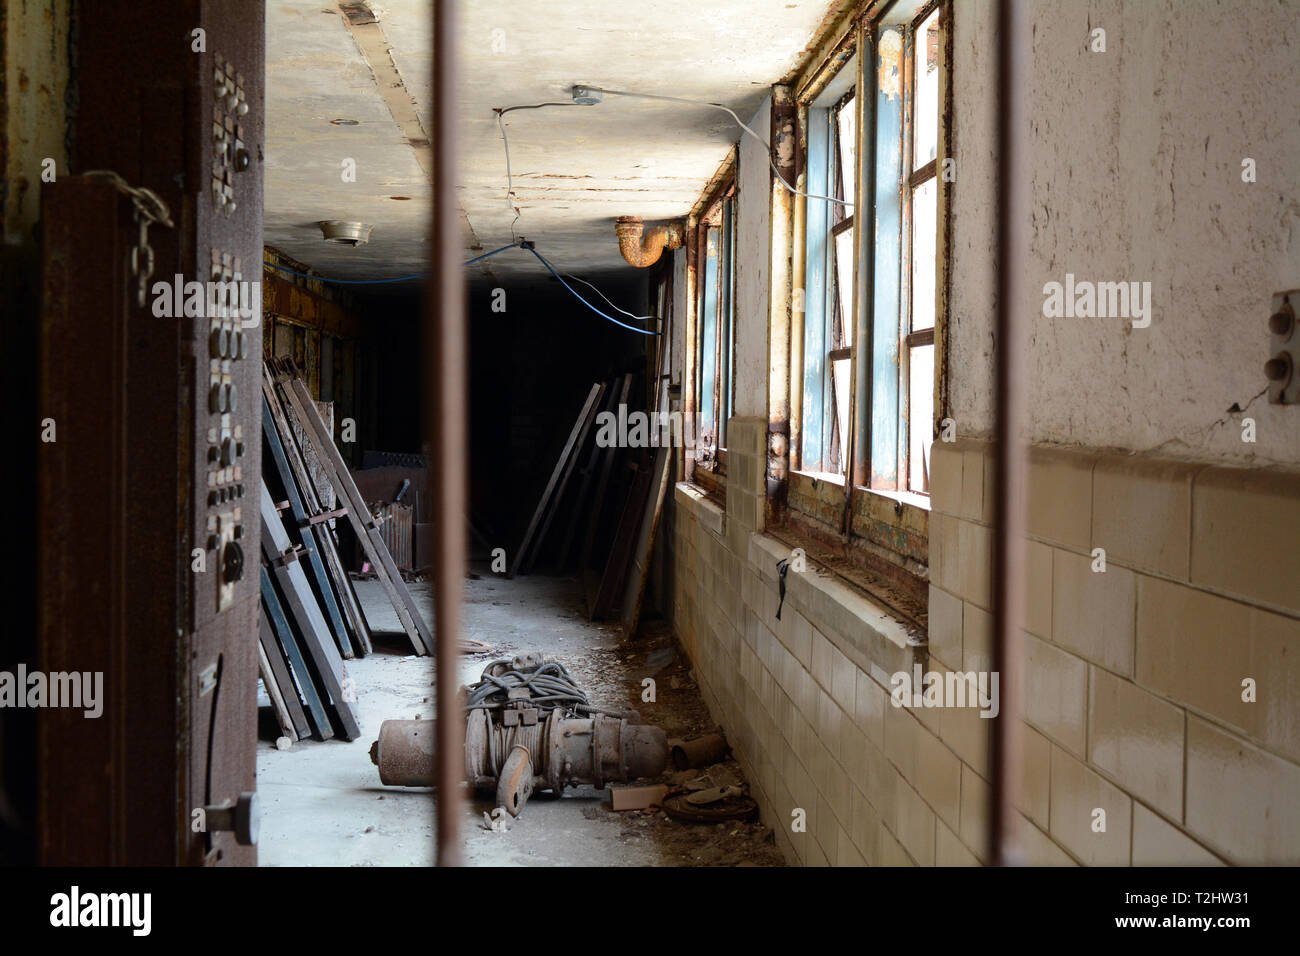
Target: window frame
(709,462)
(869,515)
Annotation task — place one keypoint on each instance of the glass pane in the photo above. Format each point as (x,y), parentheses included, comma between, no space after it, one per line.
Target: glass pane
(926,70)
(846,130)
(925,234)
(707,362)
(840,372)
(842,333)
(920,417)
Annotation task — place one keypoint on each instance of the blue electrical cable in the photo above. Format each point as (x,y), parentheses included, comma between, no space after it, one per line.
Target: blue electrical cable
(513,245)
(485,255)
(631,328)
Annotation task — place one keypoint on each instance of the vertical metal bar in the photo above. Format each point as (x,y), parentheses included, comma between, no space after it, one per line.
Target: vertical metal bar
(798,282)
(445,429)
(1014,51)
(858,457)
(690,349)
(783,122)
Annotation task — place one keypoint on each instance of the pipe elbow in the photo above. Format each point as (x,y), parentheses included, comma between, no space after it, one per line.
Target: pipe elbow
(643,248)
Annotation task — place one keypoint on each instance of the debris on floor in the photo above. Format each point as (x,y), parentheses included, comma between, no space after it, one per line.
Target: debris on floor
(528,725)
(637,798)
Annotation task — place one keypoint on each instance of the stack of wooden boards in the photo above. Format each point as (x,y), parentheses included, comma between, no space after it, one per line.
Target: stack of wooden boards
(311,619)
(621,495)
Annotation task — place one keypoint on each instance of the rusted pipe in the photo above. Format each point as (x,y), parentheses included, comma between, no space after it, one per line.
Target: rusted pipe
(799,294)
(783,121)
(641,248)
(1008,572)
(446,428)
(700,752)
(555,753)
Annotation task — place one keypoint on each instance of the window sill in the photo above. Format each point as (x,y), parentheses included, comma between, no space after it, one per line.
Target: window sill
(816,476)
(841,607)
(905,497)
(702,506)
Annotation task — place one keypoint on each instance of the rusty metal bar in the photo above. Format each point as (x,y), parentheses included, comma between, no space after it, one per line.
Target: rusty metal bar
(783,122)
(445,428)
(1014,48)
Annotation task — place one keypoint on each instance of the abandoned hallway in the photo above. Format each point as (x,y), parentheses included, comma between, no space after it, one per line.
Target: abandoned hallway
(324,806)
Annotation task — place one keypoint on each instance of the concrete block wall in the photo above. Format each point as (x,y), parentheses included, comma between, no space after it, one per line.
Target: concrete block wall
(1132,701)
(1133,696)
(804,699)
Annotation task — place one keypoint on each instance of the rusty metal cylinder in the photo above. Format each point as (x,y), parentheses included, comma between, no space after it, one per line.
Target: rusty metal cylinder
(700,752)
(404,752)
(563,752)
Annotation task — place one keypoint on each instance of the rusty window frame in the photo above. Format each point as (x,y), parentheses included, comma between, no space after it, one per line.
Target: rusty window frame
(913,180)
(830,326)
(717,222)
(880,530)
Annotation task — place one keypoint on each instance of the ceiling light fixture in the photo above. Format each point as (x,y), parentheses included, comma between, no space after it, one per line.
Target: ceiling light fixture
(345,233)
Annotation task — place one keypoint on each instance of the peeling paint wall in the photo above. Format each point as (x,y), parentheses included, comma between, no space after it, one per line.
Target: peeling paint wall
(1137,175)
(753,220)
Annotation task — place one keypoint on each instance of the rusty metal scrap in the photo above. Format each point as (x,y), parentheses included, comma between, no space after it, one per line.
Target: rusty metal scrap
(528,726)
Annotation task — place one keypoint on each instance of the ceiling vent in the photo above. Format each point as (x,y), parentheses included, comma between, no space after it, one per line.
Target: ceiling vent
(345,233)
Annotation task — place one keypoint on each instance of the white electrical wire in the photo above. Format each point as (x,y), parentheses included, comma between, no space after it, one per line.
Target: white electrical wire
(510,179)
(643,318)
(510,200)
(718,106)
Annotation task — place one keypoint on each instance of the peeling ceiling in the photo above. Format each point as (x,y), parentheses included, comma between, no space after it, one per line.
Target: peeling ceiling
(575,168)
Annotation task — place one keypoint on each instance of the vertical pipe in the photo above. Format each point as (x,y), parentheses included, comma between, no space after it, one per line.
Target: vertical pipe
(690,349)
(798,281)
(858,458)
(783,122)
(445,429)
(1014,59)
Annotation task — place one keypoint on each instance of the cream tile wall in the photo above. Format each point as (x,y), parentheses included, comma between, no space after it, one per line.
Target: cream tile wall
(1133,690)
(1133,676)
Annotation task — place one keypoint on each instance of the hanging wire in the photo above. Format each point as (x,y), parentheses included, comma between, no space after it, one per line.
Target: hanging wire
(510,180)
(732,113)
(643,318)
(631,328)
(514,245)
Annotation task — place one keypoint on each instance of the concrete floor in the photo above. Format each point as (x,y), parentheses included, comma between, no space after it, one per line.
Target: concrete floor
(323,805)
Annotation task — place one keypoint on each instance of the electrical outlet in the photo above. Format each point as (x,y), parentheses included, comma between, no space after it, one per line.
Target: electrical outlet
(1283,366)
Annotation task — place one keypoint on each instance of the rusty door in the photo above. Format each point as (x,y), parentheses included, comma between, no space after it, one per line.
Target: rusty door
(148,499)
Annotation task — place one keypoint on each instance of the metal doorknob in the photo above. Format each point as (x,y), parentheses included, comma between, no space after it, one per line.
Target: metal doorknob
(244,818)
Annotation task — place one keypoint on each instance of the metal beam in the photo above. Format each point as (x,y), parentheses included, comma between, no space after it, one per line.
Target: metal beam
(1014,48)
(446,403)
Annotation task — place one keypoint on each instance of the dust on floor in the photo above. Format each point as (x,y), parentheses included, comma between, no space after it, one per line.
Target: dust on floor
(322,803)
